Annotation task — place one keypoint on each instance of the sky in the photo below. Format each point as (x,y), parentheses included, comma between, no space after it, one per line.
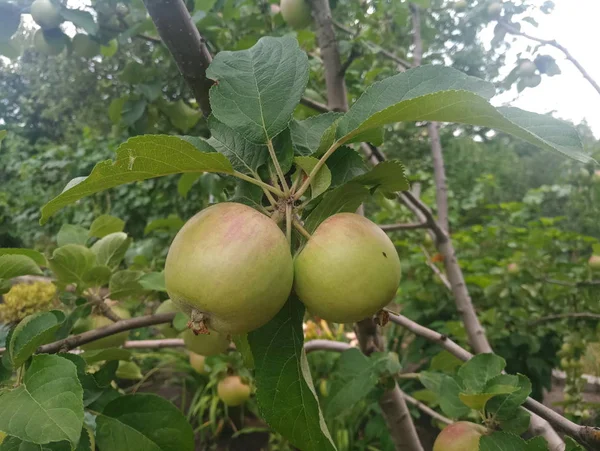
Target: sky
(575,25)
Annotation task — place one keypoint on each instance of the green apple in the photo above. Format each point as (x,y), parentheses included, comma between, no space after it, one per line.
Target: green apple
(46,14)
(348,270)
(197,363)
(84,46)
(50,42)
(230,269)
(233,391)
(296,13)
(167,329)
(212,343)
(97,321)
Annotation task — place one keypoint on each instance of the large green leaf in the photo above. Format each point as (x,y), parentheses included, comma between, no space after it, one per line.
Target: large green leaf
(105,225)
(72,234)
(447,390)
(71,262)
(502,441)
(126,284)
(143,422)
(321,181)
(346,198)
(110,250)
(256,90)
(480,369)
(388,176)
(47,406)
(141,158)
(284,388)
(15,265)
(503,407)
(438,93)
(245,156)
(36,256)
(307,134)
(345,164)
(32,332)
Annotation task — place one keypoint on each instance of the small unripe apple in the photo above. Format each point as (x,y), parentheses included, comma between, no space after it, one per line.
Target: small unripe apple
(45,14)
(97,321)
(527,67)
(296,13)
(513,268)
(197,363)
(233,391)
(494,9)
(567,348)
(209,344)
(459,436)
(85,46)
(594,262)
(50,43)
(229,268)
(348,270)
(596,176)
(167,329)
(532,81)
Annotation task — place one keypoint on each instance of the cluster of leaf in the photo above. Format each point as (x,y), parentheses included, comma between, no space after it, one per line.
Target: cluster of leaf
(73,408)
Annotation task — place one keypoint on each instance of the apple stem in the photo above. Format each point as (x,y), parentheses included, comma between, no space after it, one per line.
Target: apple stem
(301,229)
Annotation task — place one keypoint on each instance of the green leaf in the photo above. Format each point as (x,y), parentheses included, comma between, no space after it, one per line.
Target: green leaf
(115,108)
(129,371)
(572,445)
(345,164)
(92,389)
(185,183)
(15,265)
(245,156)
(110,250)
(16,444)
(355,377)
(437,93)
(132,111)
(109,49)
(3,134)
(81,19)
(518,423)
(71,234)
(126,285)
(243,347)
(307,134)
(503,407)
(172,223)
(481,368)
(48,406)
(153,281)
(180,114)
(97,276)
(106,354)
(32,332)
(284,388)
(346,198)
(105,225)
(447,389)
(478,401)
(445,362)
(36,256)
(321,181)
(143,422)
(141,158)
(256,90)
(69,263)
(388,176)
(502,441)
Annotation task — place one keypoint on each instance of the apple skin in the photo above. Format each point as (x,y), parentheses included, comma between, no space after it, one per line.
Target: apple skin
(232,391)
(84,46)
(209,344)
(296,13)
(594,262)
(348,270)
(167,329)
(45,14)
(97,321)
(197,362)
(459,436)
(232,265)
(50,44)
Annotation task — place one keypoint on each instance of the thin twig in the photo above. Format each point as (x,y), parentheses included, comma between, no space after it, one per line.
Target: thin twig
(314,105)
(325,345)
(354,53)
(154,344)
(315,170)
(584,315)
(435,269)
(426,409)
(288,223)
(556,45)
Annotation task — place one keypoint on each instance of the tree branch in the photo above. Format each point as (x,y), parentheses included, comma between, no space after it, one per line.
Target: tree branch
(409,226)
(435,269)
(187,46)
(314,105)
(337,98)
(325,345)
(120,326)
(154,344)
(556,45)
(439,175)
(427,410)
